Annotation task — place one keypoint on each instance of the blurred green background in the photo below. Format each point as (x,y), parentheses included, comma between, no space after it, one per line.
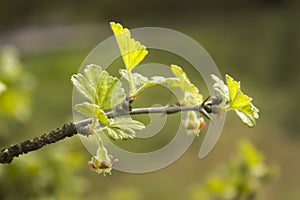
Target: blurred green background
(257,42)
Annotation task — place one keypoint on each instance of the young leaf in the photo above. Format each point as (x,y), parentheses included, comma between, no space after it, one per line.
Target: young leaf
(183,81)
(132,51)
(220,87)
(154,80)
(92,110)
(141,82)
(86,84)
(237,100)
(191,92)
(122,128)
(109,91)
(99,87)
(241,103)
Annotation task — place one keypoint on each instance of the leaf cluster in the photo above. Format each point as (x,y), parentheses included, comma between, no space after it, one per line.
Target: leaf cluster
(240,178)
(236,100)
(104,93)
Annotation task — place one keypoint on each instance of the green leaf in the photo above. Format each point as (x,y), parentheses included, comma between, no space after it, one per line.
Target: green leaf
(241,103)
(183,81)
(122,128)
(2,87)
(99,87)
(141,82)
(132,51)
(237,100)
(154,80)
(86,83)
(191,92)
(92,110)
(109,91)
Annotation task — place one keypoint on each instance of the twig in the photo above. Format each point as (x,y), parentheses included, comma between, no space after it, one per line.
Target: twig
(8,154)
(68,130)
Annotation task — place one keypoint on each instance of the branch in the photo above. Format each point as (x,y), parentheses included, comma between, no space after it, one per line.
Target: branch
(165,110)
(68,130)
(7,154)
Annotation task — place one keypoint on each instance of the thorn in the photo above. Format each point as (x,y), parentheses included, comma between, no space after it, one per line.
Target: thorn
(203,103)
(206,106)
(203,112)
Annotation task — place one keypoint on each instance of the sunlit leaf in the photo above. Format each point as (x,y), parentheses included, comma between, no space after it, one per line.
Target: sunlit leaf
(132,51)
(109,91)
(191,92)
(141,82)
(92,110)
(237,100)
(241,103)
(122,128)
(85,84)
(99,87)
(183,81)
